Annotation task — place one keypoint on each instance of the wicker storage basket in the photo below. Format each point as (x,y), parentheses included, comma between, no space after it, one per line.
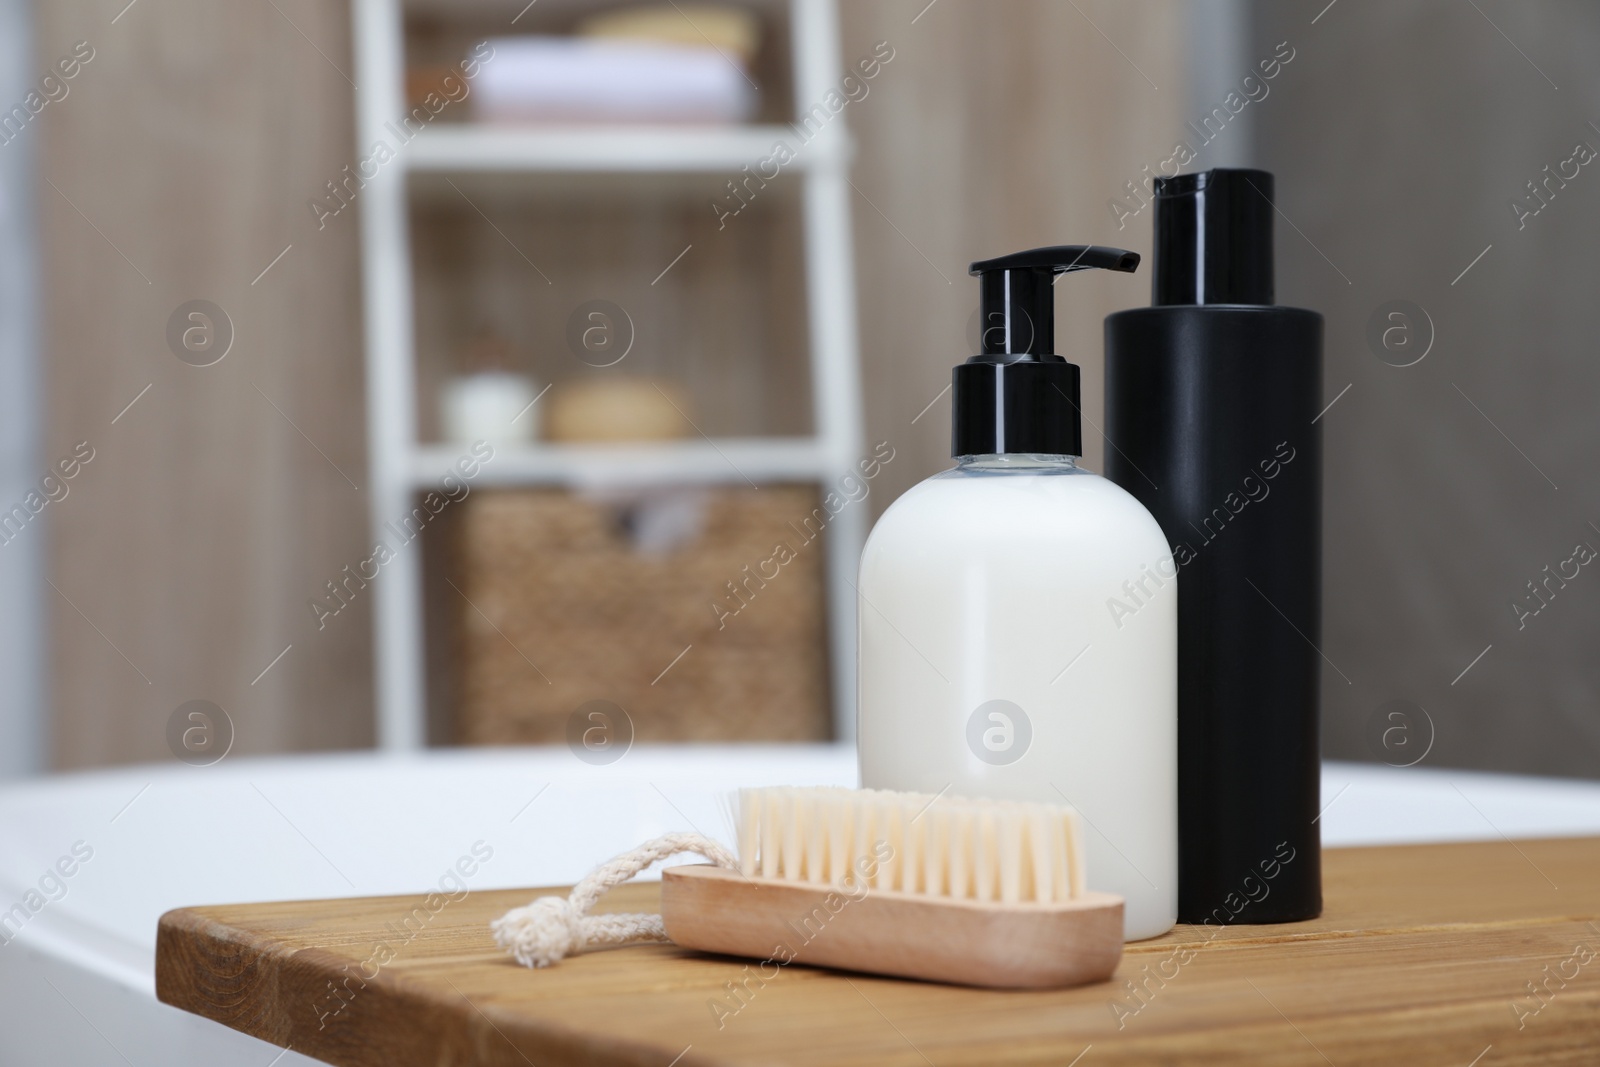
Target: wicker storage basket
(562,608)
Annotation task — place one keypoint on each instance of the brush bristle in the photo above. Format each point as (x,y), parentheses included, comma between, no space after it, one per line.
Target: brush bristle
(1003,851)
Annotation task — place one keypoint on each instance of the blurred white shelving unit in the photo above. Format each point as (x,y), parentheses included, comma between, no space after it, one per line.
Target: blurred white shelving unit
(400,465)
(629,150)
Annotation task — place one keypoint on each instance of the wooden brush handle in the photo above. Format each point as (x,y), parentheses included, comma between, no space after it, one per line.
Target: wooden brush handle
(1004,946)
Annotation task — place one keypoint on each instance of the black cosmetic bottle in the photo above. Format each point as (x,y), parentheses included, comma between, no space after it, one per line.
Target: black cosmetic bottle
(1212,397)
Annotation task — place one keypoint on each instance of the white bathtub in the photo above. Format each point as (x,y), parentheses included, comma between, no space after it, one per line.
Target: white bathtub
(76,982)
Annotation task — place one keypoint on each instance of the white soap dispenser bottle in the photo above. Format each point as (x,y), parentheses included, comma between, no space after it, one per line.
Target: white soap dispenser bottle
(1018,614)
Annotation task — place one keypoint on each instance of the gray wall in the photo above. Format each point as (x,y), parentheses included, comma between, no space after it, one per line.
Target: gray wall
(1400,134)
(22,741)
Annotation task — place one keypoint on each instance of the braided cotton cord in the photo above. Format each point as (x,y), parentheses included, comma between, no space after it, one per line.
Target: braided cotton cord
(544,931)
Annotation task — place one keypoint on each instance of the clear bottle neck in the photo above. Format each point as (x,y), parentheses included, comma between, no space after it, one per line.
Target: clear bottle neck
(1016,461)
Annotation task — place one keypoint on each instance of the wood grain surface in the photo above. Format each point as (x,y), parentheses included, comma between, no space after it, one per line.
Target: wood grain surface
(221,502)
(1425,954)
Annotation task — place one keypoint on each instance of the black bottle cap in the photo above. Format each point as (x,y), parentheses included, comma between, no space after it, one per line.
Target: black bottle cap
(1017,395)
(1213,238)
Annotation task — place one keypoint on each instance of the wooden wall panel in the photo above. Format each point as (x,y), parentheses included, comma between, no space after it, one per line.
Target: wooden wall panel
(996,127)
(190,144)
(178,168)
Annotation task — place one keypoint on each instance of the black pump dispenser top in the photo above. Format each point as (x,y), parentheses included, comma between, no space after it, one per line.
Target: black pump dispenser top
(1213,238)
(1017,395)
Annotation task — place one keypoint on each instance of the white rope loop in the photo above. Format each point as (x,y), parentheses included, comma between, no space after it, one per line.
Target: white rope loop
(549,928)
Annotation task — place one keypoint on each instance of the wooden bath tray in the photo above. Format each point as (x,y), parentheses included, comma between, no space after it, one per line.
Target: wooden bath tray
(1424,955)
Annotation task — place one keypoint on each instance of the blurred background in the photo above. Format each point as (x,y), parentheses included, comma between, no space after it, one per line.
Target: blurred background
(694,275)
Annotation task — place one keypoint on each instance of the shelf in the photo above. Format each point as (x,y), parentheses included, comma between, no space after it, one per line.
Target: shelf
(538,172)
(468,147)
(499,9)
(729,461)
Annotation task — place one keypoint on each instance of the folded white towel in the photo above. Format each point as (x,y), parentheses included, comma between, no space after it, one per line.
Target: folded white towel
(576,80)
